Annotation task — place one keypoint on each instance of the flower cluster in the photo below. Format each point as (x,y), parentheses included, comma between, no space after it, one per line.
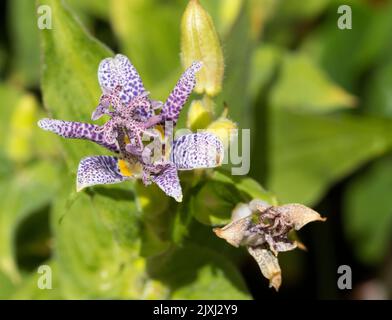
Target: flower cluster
(133,116)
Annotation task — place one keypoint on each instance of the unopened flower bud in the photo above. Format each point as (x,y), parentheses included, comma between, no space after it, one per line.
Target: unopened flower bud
(200,42)
(199,115)
(224,128)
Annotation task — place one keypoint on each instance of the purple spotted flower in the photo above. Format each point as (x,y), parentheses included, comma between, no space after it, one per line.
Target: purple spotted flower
(132,117)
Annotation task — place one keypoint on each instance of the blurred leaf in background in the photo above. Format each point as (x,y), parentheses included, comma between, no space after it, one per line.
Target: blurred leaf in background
(316,98)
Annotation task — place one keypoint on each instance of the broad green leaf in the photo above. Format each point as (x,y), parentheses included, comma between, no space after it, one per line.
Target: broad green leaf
(7,287)
(149,34)
(96,240)
(265,60)
(237,70)
(305,87)
(91,7)
(303,9)
(25,44)
(378,99)
(213,201)
(309,153)
(346,54)
(29,290)
(157,218)
(194,272)
(69,74)
(24,192)
(367,212)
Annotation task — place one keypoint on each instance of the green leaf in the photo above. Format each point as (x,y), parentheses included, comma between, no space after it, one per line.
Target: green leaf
(29,290)
(355,51)
(367,212)
(25,44)
(149,34)
(237,70)
(96,237)
(303,9)
(27,191)
(194,272)
(69,74)
(304,86)
(378,95)
(99,9)
(265,59)
(213,201)
(309,153)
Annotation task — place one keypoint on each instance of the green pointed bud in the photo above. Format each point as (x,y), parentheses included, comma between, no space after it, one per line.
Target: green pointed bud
(199,115)
(200,42)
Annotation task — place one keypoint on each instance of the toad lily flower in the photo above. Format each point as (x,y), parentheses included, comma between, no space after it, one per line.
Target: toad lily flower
(133,115)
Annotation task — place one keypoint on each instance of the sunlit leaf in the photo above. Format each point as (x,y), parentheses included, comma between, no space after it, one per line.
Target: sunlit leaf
(195,272)
(27,191)
(70,88)
(304,86)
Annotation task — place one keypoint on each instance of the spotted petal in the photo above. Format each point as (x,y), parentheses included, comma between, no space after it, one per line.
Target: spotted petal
(197,150)
(177,98)
(168,181)
(119,71)
(76,130)
(100,170)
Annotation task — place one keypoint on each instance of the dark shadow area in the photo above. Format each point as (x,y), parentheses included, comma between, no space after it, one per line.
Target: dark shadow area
(114,193)
(33,240)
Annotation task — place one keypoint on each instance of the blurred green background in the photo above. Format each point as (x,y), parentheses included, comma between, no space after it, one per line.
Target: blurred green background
(318,101)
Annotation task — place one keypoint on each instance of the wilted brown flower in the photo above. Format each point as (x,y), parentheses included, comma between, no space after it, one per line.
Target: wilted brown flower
(265,232)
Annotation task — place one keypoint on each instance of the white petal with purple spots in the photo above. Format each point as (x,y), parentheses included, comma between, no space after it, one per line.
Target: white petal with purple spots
(180,94)
(98,170)
(119,71)
(168,181)
(197,150)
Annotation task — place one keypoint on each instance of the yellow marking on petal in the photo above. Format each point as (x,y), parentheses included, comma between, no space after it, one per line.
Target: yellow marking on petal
(124,168)
(159,128)
(126,139)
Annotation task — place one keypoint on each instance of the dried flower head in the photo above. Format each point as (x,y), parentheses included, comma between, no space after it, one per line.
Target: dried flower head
(265,232)
(132,117)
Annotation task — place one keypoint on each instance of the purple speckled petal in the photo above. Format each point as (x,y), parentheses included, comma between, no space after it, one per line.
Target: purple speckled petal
(177,98)
(76,130)
(119,71)
(168,181)
(98,170)
(197,150)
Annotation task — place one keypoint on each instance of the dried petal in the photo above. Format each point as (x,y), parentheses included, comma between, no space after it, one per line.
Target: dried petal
(298,214)
(268,264)
(234,232)
(197,150)
(76,130)
(177,98)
